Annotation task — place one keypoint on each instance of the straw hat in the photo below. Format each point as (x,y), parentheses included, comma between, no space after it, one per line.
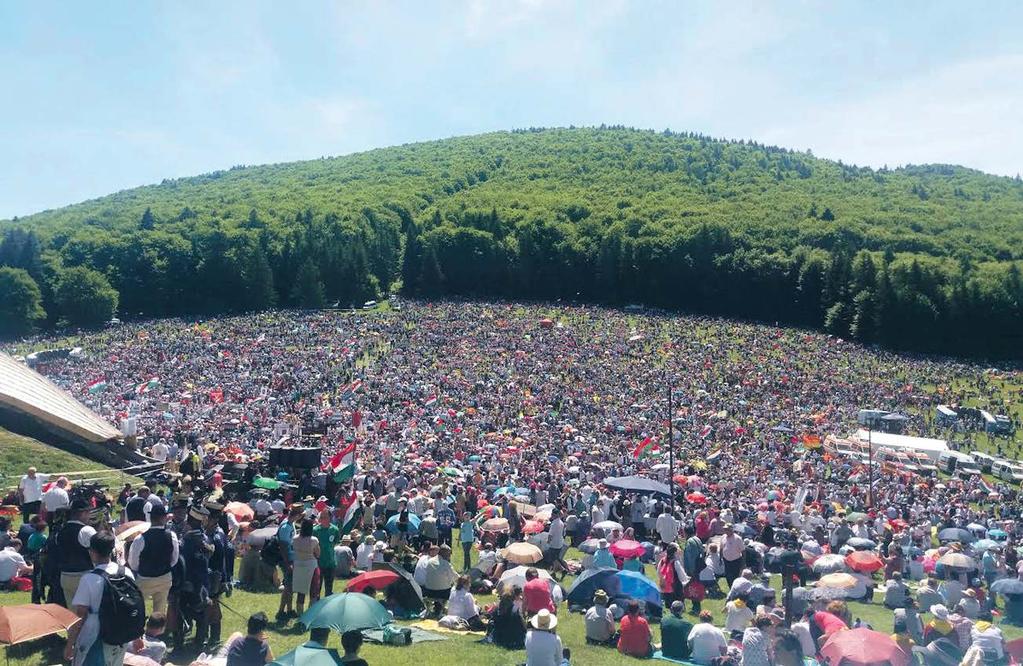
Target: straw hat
(544,620)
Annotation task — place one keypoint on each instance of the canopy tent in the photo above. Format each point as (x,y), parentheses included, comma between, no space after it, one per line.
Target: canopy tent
(638,484)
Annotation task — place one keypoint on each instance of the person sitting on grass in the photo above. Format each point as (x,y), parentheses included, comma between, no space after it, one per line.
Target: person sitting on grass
(351,642)
(600,623)
(635,633)
(756,644)
(675,633)
(462,605)
(252,649)
(150,644)
(543,647)
(706,642)
(507,629)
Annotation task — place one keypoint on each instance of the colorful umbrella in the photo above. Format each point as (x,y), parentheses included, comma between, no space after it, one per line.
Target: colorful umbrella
(627,548)
(697,498)
(378,580)
(265,483)
(532,527)
(864,561)
(522,553)
(496,525)
(243,512)
(28,622)
(863,647)
(347,611)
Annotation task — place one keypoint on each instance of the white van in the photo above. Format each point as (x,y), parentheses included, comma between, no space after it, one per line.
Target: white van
(1007,471)
(952,462)
(984,461)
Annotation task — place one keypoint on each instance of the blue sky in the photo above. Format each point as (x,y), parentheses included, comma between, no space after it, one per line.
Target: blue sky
(103,96)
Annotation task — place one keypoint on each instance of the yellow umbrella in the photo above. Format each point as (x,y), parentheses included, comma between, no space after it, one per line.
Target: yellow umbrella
(838,581)
(522,553)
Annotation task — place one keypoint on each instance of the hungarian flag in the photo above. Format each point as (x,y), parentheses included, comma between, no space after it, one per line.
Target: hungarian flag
(645,447)
(705,432)
(432,400)
(342,465)
(145,386)
(98,386)
(349,511)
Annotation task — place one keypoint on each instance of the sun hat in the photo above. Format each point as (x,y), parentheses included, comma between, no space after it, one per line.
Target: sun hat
(544,620)
(939,611)
(600,597)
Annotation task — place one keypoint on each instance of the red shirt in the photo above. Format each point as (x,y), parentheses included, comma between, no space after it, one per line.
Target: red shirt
(635,638)
(537,596)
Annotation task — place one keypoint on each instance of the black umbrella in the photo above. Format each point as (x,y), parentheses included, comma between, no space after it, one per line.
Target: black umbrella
(956,534)
(407,591)
(1007,586)
(638,484)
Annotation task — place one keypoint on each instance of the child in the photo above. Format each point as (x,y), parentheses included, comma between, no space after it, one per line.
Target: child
(150,645)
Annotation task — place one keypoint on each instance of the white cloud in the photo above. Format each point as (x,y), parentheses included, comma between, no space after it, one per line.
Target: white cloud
(967,113)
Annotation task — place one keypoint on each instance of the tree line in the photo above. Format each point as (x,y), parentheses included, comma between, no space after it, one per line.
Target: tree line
(920,257)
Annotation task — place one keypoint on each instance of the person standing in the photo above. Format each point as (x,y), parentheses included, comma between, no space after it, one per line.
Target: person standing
(733,550)
(196,550)
(467,537)
(56,498)
(151,556)
(30,493)
(328,536)
(221,566)
(72,549)
(556,544)
(285,540)
(307,555)
(84,644)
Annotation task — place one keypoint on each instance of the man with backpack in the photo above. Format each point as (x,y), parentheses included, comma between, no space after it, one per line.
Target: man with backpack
(71,550)
(111,605)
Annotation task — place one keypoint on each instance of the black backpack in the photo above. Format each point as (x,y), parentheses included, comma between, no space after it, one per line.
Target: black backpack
(122,610)
(270,553)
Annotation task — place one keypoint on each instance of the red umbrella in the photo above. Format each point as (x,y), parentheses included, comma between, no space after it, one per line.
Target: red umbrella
(532,527)
(627,548)
(828,622)
(240,510)
(864,561)
(681,479)
(377,579)
(863,647)
(697,498)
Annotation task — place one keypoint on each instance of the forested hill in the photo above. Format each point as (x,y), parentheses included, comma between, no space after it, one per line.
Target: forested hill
(923,257)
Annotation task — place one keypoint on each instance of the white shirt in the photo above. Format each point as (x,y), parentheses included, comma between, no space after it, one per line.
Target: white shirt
(90,594)
(55,498)
(667,527)
(160,451)
(10,561)
(363,556)
(139,543)
(802,632)
(487,561)
(543,649)
(461,604)
(705,643)
(557,534)
(32,489)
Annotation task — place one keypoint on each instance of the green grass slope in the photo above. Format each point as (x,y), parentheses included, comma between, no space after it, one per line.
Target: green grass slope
(18,453)
(923,257)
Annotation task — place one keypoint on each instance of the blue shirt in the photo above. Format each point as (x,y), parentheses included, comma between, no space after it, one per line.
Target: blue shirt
(603,558)
(467,532)
(286,535)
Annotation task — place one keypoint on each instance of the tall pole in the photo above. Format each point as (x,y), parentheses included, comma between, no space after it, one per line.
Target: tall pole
(870,469)
(671,449)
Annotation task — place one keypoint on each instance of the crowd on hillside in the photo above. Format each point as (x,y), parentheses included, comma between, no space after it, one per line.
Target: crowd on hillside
(483,436)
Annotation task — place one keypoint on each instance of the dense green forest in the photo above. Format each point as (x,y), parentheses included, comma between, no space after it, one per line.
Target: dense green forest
(922,257)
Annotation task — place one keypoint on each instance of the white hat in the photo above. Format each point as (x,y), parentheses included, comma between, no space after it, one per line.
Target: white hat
(602,543)
(544,620)
(939,611)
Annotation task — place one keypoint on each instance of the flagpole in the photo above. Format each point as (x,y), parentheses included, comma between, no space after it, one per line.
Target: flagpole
(671,449)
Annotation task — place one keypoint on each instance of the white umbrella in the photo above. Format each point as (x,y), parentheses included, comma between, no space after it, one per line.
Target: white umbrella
(517,578)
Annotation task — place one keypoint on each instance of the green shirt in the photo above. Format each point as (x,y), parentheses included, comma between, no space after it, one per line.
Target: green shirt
(36,541)
(675,637)
(328,537)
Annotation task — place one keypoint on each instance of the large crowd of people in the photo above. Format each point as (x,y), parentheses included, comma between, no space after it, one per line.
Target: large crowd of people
(482,436)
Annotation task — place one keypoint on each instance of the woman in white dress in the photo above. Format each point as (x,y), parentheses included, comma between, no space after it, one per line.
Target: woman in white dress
(307,554)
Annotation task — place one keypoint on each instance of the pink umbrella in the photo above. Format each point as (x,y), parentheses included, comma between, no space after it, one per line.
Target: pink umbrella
(532,527)
(627,548)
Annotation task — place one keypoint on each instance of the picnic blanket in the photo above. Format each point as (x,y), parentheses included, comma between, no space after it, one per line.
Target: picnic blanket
(418,635)
(431,625)
(658,655)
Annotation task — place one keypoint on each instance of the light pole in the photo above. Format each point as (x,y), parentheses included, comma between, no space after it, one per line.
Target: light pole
(870,469)
(671,448)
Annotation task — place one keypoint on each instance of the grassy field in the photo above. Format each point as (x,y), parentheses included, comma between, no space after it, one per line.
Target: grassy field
(456,650)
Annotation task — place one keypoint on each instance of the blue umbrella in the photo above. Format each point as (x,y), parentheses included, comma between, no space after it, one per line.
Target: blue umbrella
(985,544)
(413,524)
(637,586)
(997,535)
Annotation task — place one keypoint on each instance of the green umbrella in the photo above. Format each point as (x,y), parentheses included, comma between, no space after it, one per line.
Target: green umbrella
(855,516)
(452,471)
(268,484)
(308,656)
(345,612)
